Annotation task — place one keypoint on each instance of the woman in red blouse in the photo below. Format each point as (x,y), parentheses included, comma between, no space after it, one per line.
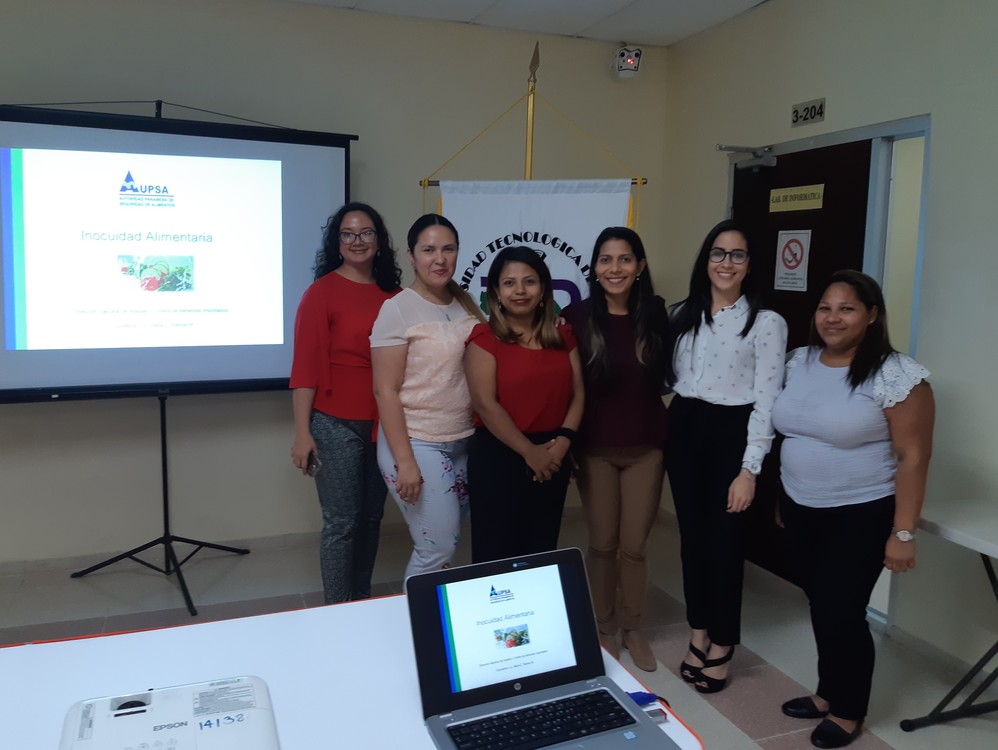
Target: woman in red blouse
(333,397)
(525,379)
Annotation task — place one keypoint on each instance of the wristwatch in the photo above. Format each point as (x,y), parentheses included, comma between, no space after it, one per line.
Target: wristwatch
(903,535)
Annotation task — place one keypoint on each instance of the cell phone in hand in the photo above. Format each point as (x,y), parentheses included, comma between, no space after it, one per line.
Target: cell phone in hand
(313,465)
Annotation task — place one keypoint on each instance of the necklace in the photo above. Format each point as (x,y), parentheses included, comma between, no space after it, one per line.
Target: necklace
(441,307)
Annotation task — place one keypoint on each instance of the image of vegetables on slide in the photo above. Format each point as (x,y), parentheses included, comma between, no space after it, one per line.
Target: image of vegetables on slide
(512,637)
(160,273)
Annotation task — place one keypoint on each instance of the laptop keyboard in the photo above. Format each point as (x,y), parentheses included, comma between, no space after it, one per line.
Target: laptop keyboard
(542,725)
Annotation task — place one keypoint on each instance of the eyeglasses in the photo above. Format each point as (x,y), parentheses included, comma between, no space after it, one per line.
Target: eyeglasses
(367,237)
(717,255)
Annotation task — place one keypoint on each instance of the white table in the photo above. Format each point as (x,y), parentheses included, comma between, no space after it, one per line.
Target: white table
(339,676)
(972,524)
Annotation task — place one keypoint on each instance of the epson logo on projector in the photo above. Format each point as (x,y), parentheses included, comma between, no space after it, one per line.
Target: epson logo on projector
(175,725)
(129,186)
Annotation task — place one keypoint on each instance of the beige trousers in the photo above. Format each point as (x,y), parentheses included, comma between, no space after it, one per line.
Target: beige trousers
(621,489)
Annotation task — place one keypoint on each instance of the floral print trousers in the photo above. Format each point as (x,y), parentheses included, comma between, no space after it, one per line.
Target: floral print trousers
(434,520)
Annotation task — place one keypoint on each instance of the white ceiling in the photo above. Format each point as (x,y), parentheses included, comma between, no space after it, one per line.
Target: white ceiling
(654,22)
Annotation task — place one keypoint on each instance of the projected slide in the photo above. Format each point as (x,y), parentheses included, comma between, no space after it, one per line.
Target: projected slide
(504,628)
(116,250)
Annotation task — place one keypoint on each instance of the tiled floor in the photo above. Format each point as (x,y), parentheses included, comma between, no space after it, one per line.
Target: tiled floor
(775,662)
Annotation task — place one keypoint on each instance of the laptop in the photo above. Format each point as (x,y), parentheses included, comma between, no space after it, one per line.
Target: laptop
(229,714)
(518,635)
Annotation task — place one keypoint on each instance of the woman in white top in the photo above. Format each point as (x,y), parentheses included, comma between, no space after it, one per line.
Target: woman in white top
(728,361)
(858,420)
(417,350)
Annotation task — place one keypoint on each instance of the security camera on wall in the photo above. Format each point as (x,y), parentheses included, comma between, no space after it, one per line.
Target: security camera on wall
(627,61)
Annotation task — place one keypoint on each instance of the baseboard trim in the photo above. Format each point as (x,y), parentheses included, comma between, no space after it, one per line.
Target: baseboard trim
(929,651)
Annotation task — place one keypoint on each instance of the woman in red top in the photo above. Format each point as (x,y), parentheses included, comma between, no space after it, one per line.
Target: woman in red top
(525,380)
(333,397)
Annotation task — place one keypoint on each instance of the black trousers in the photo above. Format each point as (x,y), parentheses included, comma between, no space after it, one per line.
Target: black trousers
(839,553)
(704,456)
(511,514)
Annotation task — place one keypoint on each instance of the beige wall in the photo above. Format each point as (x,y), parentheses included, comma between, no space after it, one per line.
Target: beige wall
(901,256)
(81,478)
(875,62)
(84,477)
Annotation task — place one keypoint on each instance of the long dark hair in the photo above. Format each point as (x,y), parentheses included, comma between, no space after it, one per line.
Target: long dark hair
(696,306)
(544,331)
(652,341)
(436,220)
(387,274)
(875,347)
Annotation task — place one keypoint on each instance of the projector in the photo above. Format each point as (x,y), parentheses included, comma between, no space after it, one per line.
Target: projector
(230,714)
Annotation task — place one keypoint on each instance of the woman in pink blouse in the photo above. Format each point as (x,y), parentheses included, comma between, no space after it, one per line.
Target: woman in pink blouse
(417,347)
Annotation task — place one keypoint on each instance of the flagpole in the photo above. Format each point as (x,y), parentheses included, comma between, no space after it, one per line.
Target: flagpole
(535,63)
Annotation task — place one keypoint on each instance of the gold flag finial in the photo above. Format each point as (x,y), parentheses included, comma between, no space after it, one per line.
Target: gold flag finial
(535,63)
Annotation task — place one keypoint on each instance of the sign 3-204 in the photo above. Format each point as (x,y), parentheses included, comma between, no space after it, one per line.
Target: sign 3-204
(806,113)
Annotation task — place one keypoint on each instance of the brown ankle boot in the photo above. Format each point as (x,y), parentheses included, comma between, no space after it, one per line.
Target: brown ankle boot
(609,642)
(641,653)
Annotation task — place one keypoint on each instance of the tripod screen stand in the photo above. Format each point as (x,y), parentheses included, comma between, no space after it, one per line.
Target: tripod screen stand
(171,563)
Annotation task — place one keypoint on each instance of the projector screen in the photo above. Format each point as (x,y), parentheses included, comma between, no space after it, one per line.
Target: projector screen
(152,256)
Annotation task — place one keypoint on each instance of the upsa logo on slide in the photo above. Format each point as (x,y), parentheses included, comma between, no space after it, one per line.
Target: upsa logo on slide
(501,595)
(132,193)
(129,186)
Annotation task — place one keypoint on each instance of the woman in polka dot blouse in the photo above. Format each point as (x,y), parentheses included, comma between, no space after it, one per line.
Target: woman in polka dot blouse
(728,358)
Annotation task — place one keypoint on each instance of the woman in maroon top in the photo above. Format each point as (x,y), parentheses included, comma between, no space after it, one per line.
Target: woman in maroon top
(333,397)
(623,331)
(525,380)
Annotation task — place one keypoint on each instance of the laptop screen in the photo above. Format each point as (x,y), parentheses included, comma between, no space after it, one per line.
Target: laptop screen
(494,630)
(504,627)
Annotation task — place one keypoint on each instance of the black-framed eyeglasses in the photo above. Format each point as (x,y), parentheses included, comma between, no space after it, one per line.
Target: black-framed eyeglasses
(367,237)
(717,255)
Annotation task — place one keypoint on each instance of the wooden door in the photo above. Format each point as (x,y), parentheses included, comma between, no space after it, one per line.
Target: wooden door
(838,230)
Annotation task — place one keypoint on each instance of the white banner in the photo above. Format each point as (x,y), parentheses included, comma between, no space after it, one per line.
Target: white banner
(560,219)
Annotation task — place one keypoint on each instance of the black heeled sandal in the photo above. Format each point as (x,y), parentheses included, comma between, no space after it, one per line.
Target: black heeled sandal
(687,671)
(708,684)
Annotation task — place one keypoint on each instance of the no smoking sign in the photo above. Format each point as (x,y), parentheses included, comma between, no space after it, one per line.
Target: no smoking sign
(792,250)
(793,254)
